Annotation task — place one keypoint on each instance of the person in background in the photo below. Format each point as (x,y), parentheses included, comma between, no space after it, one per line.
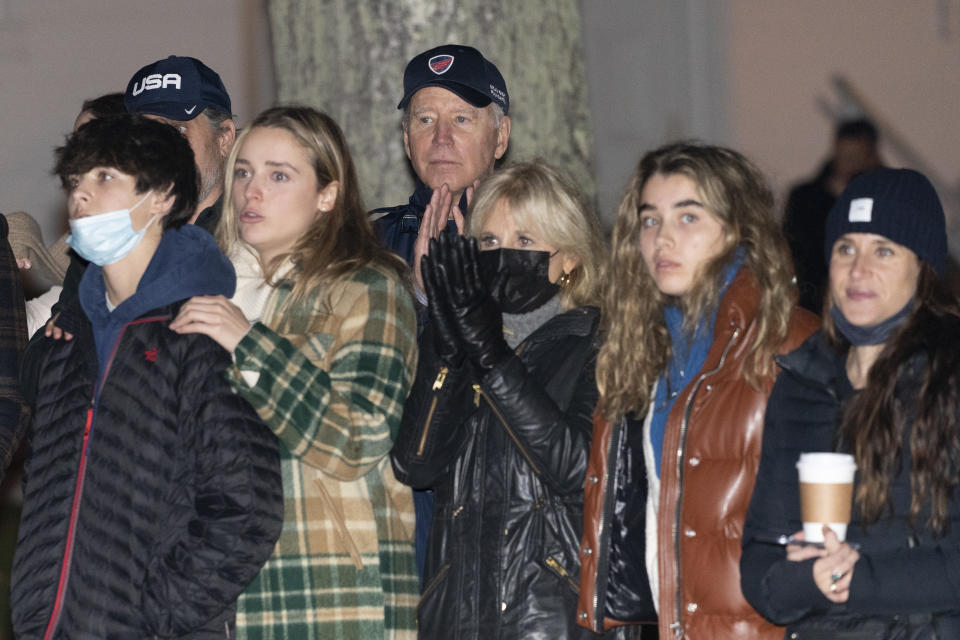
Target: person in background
(699,300)
(455,128)
(327,367)
(189,96)
(498,422)
(14,415)
(108,104)
(855,150)
(881,381)
(152,492)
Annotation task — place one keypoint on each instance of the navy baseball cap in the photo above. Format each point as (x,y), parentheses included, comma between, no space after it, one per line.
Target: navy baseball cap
(178,88)
(457,68)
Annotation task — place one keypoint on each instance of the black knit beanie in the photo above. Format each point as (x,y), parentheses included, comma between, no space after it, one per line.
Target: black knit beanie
(899,204)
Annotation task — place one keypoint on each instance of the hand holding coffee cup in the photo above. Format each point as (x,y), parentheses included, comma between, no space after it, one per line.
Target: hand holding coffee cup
(826,493)
(833,571)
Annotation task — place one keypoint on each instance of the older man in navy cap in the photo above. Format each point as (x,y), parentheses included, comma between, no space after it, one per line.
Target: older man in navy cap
(188,95)
(455,126)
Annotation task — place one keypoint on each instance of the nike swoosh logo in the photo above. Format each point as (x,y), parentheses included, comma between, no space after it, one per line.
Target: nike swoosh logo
(190,110)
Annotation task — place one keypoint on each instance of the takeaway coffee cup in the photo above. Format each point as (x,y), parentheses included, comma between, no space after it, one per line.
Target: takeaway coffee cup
(826,492)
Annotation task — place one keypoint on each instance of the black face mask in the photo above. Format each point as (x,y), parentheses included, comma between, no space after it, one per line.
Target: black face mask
(518,280)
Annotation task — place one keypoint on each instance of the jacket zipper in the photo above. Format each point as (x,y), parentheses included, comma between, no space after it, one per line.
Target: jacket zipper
(71,529)
(481,393)
(677,625)
(437,385)
(81,477)
(615,444)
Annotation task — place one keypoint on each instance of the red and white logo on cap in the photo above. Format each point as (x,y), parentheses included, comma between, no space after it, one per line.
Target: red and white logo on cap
(440,64)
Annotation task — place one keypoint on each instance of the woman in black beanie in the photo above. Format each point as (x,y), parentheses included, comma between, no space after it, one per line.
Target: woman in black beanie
(879,381)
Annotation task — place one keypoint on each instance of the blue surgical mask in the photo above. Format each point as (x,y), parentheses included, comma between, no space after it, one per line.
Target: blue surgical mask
(107,237)
(872,335)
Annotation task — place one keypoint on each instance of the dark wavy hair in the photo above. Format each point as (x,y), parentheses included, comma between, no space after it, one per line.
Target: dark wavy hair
(154,153)
(922,359)
(110,104)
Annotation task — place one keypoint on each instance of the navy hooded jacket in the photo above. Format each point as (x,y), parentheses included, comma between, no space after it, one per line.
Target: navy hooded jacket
(152,493)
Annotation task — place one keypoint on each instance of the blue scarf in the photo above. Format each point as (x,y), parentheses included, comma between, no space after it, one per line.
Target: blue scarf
(689,354)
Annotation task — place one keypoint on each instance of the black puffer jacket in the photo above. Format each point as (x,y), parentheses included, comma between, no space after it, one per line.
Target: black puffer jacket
(902,572)
(506,456)
(152,494)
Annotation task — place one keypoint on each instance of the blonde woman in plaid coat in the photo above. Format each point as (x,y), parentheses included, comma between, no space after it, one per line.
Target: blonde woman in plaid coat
(327,366)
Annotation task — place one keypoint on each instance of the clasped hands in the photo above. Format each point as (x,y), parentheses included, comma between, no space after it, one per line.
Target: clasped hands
(438,211)
(833,569)
(466,320)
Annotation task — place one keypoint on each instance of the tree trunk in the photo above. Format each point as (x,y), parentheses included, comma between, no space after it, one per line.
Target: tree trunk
(347,58)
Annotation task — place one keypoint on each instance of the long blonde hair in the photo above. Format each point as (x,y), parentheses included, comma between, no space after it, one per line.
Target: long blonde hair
(340,241)
(546,202)
(637,346)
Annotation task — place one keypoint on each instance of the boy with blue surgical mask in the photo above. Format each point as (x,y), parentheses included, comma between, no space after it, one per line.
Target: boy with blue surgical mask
(152,493)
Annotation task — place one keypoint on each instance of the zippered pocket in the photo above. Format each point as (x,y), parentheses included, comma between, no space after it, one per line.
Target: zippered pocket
(561,573)
(425,430)
(479,393)
(437,579)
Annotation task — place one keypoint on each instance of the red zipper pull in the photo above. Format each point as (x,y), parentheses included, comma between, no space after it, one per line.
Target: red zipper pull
(86,429)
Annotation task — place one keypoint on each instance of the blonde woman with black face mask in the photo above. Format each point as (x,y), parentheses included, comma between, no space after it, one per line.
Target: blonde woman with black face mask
(498,421)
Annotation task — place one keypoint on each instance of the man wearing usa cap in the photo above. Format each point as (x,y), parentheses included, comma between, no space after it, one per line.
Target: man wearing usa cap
(189,95)
(455,126)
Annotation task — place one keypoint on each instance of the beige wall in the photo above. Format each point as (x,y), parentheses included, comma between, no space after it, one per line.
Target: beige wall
(56,53)
(902,57)
(752,73)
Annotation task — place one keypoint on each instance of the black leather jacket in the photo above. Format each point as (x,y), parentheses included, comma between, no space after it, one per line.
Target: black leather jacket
(506,456)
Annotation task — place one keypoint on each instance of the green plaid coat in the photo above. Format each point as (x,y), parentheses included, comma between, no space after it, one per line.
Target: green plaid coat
(330,380)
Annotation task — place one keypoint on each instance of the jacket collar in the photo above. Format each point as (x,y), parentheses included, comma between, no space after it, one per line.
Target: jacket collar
(735,313)
(739,305)
(187,263)
(818,364)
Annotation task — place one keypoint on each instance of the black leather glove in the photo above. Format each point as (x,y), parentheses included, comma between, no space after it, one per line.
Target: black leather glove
(446,339)
(474,314)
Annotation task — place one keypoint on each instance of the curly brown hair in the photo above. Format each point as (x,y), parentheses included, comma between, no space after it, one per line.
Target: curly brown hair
(636,345)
